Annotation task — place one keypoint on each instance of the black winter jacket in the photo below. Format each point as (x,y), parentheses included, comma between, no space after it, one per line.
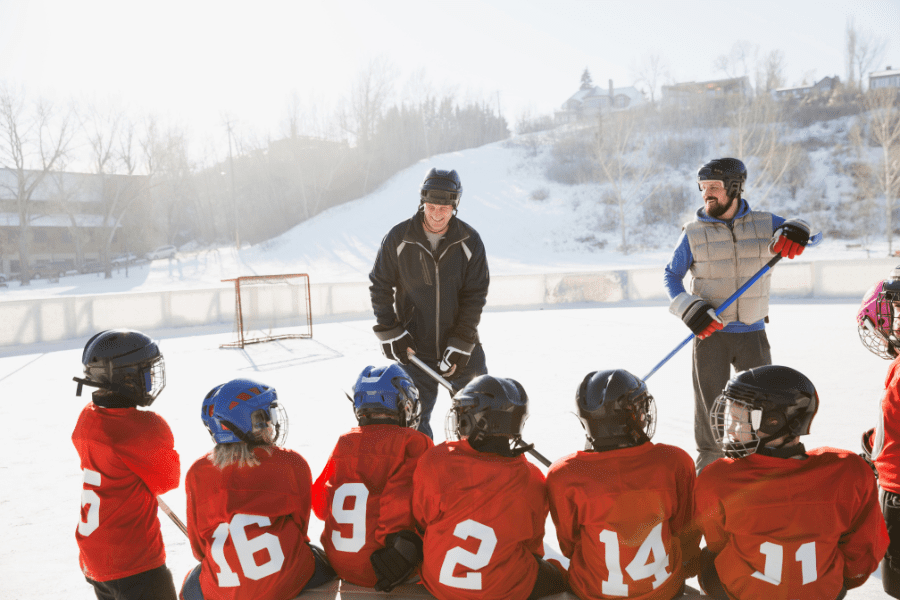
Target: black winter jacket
(438,296)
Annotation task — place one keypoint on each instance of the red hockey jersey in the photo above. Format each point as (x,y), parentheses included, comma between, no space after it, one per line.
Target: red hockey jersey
(483,517)
(127,459)
(787,529)
(364,493)
(247,526)
(886,445)
(621,517)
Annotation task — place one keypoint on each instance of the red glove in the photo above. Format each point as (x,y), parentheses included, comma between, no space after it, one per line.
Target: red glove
(791,238)
(710,329)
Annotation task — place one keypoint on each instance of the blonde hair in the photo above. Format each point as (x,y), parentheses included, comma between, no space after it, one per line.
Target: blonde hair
(241,454)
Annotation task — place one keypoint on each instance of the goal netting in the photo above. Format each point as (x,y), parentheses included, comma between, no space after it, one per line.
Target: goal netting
(270,307)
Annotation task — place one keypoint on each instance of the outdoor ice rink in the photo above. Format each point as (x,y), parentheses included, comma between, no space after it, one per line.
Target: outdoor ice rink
(549,351)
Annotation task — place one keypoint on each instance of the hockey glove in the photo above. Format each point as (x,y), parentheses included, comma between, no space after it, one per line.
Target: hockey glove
(456,354)
(396,562)
(698,314)
(395,347)
(866,454)
(791,238)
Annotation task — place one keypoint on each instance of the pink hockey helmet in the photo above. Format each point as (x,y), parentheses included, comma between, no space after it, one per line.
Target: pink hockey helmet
(876,316)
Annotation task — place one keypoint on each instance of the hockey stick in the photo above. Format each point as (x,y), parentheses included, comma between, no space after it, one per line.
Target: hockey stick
(165,508)
(719,310)
(437,377)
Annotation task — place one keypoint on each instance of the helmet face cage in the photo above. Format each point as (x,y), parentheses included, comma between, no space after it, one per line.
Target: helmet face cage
(732,422)
(874,321)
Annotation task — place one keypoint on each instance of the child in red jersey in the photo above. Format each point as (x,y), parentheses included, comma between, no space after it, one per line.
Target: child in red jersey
(248,503)
(622,506)
(781,522)
(364,491)
(128,459)
(878,321)
(482,505)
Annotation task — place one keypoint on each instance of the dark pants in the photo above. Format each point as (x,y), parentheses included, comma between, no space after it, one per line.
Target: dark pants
(150,585)
(890,565)
(428,387)
(549,581)
(711,370)
(712,585)
(322,575)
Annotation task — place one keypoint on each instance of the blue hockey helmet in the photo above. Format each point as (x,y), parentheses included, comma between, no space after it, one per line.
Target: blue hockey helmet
(235,411)
(386,390)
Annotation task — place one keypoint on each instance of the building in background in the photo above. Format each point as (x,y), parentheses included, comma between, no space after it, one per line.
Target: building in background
(884,79)
(687,93)
(588,103)
(70,218)
(823,87)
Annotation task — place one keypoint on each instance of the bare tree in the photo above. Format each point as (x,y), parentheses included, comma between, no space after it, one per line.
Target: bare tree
(369,96)
(863,51)
(883,112)
(35,138)
(771,72)
(651,72)
(620,154)
(739,61)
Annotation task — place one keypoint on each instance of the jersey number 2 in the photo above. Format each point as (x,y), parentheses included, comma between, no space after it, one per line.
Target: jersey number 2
(245,550)
(459,556)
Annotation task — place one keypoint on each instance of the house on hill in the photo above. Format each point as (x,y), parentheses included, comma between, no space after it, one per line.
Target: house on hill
(884,79)
(684,94)
(589,102)
(826,85)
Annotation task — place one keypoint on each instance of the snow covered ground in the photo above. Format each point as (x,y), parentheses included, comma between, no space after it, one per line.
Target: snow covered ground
(549,351)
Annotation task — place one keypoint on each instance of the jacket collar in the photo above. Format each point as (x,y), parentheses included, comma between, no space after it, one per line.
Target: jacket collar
(743,211)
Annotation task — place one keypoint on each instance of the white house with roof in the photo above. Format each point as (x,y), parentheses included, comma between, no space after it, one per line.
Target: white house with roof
(587,103)
(884,79)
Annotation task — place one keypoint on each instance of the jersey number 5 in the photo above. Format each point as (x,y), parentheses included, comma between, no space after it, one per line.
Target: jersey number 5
(245,550)
(90,498)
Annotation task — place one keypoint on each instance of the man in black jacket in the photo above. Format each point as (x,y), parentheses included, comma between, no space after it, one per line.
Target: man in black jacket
(429,285)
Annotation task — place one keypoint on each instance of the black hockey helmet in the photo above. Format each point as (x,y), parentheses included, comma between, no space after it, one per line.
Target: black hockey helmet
(488,406)
(730,171)
(125,362)
(615,409)
(777,401)
(441,187)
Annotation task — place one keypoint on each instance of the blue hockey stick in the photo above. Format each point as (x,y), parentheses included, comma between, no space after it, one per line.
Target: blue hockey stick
(719,310)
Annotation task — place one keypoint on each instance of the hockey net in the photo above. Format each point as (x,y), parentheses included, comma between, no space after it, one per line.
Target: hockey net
(270,307)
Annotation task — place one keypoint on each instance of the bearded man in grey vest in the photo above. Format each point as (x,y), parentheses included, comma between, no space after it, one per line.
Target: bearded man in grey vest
(725,245)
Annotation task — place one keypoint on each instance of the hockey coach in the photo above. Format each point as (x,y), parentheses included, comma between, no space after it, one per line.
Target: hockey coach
(429,286)
(725,245)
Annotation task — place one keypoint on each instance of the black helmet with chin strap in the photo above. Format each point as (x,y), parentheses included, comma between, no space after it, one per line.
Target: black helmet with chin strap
(730,171)
(441,187)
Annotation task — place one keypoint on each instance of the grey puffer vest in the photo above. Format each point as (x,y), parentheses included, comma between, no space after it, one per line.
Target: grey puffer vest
(725,258)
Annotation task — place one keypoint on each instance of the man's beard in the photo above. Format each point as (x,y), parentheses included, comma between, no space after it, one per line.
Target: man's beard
(719,209)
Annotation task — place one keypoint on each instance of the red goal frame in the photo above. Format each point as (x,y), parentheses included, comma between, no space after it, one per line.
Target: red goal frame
(244,299)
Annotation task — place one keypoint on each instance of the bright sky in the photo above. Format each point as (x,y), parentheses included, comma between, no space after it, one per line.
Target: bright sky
(197,61)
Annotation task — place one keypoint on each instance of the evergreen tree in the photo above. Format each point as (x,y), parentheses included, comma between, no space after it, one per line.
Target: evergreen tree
(586,81)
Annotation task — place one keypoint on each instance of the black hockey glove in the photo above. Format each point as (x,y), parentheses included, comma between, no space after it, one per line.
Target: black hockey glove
(394,346)
(457,353)
(698,314)
(396,562)
(791,238)
(866,454)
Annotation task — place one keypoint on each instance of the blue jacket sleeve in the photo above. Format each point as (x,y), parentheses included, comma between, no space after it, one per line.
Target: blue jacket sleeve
(682,259)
